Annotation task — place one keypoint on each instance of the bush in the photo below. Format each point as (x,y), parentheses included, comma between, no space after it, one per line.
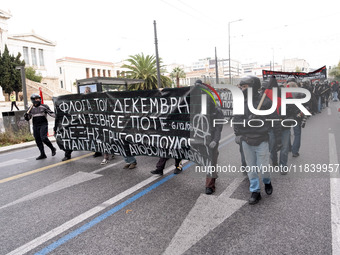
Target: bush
(10,138)
(31,74)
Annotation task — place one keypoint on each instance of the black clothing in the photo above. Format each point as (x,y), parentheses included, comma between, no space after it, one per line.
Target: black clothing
(162,161)
(39,115)
(40,126)
(14,104)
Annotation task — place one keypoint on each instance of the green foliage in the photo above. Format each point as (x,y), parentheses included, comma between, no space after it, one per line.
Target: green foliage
(177,73)
(10,79)
(144,67)
(335,72)
(9,137)
(32,75)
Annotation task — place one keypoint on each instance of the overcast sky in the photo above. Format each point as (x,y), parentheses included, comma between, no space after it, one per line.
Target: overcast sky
(187,29)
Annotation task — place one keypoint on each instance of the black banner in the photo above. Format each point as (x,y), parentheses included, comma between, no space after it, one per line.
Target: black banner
(281,77)
(167,123)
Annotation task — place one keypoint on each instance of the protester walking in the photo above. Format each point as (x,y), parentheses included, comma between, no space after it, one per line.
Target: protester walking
(38,113)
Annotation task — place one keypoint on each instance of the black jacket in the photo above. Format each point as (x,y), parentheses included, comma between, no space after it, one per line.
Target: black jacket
(39,115)
(256,135)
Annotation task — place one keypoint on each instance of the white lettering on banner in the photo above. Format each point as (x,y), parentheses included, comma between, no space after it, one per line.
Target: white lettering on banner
(128,126)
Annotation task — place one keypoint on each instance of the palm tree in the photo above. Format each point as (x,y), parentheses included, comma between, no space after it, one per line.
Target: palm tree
(177,73)
(144,67)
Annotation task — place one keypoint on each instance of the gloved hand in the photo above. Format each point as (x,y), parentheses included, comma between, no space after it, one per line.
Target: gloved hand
(212,144)
(278,144)
(26,116)
(238,139)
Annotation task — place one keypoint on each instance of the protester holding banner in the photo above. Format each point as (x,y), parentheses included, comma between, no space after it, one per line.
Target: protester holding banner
(131,162)
(213,145)
(38,112)
(161,165)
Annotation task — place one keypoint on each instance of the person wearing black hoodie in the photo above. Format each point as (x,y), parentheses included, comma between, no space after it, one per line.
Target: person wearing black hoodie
(255,139)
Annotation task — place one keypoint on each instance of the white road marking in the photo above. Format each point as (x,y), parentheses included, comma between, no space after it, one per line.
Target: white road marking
(207,213)
(335,196)
(13,162)
(67,182)
(82,217)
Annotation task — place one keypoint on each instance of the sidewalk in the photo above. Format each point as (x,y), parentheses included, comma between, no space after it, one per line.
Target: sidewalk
(6,107)
(21,145)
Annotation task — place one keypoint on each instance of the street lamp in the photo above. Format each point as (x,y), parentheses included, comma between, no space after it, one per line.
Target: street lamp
(229,45)
(23,81)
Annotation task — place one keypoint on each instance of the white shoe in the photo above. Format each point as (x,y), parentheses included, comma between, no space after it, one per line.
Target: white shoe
(104,162)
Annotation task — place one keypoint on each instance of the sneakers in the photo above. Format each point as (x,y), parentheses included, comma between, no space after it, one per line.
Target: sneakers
(54,151)
(178,170)
(133,165)
(41,157)
(255,198)
(104,162)
(130,166)
(209,191)
(65,158)
(296,155)
(268,188)
(157,171)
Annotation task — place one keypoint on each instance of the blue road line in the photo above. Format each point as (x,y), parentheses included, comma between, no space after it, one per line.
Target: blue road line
(115,209)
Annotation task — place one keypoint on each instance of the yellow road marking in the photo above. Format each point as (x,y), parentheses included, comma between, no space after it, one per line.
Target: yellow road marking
(43,168)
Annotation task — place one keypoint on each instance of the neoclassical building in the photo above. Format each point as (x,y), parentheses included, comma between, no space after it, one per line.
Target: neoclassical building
(37,51)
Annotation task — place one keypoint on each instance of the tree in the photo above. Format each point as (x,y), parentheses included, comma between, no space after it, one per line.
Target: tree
(177,73)
(16,75)
(335,72)
(32,75)
(10,79)
(144,67)
(5,72)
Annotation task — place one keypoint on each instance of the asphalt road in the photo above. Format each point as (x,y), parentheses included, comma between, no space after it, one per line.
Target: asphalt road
(82,207)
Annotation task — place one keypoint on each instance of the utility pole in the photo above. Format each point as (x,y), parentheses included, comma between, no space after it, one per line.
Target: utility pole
(229,46)
(157,59)
(23,81)
(216,67)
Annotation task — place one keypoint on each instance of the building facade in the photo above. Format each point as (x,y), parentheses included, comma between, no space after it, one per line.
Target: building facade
(71,69)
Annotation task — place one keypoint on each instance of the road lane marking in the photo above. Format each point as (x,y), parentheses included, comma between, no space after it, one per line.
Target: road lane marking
(84,216)
(67,182)
(12,162)
(71,223)
(207,214)
(335,196)
(43,168)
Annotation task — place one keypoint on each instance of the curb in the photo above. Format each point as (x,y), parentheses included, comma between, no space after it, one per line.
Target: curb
(21,146)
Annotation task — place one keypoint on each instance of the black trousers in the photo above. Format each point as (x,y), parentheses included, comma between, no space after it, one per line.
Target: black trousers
(211,177)
(40,135)
(162,161)
(15,104)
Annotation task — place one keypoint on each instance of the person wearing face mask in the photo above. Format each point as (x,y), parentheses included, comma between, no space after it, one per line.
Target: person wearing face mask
(38,113)
(255,137)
